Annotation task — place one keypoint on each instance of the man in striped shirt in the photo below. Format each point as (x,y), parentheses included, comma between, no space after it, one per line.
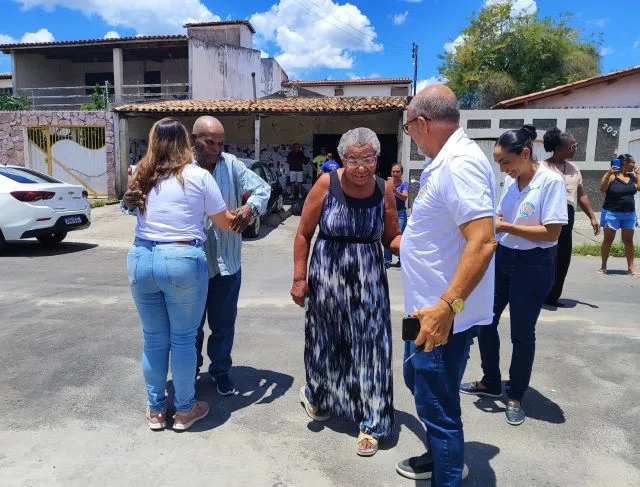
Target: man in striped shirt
(223,248)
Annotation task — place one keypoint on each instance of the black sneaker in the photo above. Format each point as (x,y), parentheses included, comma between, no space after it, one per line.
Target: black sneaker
(421,468)
(477,389)
(224,385)
(514,413)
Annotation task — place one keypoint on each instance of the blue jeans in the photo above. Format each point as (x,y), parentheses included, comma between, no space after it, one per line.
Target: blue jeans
(221,312)
(168,285)
(523,281)
(434,380)
(402,218)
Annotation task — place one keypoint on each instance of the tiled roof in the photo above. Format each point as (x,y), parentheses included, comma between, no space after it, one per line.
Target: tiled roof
(273,105)
(332,82)
(558,90)
(115,40)
(6,76)
(215,24)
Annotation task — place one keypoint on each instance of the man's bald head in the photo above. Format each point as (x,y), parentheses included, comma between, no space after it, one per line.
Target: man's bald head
(207,137)
(437,103)
(207,125)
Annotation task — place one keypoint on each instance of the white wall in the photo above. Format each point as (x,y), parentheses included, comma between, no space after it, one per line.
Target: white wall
(622,93)
(6,83)
(353,90)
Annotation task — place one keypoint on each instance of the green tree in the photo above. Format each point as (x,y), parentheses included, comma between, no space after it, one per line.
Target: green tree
(13,103)
(99,98)
(502,56)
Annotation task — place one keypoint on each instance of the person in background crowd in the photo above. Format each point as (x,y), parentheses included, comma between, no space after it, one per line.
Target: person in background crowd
(531,213)
(348,318)
(167,267)
(223,248)
(564,147)
(296,161)
(401,193)
(318,161)
(620,184)
(447,273)
(329,165)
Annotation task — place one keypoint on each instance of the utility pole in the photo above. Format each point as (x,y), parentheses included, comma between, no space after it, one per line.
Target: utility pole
(414,55)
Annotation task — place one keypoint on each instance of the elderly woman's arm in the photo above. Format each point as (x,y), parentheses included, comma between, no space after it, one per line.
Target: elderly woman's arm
(392,234)
(302,243)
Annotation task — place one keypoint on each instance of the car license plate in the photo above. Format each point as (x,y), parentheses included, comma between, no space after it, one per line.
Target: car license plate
(72,220)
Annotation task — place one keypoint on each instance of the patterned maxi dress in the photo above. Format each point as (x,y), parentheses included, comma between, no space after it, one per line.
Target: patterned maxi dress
(348,322)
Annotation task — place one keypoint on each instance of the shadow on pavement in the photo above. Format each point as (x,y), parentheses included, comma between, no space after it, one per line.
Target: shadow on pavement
(477,457)
(572,303)
(348,427)
(253,386)
(536,406)
(34,248)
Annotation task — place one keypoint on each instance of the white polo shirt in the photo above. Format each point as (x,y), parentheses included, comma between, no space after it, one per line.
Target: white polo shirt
(542,202)
(457,187)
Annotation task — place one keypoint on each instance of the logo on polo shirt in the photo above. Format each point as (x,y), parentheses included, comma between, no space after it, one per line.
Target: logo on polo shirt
(527,209)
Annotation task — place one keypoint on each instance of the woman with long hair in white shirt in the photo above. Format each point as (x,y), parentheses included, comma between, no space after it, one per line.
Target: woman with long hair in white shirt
(531,213)
(167,268)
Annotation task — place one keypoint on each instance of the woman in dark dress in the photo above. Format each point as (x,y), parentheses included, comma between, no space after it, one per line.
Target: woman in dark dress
(348,320)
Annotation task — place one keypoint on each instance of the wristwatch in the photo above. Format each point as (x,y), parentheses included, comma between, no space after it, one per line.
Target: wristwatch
(456,304)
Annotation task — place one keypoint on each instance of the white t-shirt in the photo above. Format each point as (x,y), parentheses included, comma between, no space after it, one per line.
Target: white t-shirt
(457,187)
(175,213)
(542,202)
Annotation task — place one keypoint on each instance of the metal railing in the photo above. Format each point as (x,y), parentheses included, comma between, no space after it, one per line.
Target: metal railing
(72,97)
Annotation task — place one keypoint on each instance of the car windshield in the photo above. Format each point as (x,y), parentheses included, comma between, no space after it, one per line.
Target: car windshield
(26,176)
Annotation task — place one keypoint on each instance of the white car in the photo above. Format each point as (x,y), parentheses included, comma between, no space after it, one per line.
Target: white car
(33,204)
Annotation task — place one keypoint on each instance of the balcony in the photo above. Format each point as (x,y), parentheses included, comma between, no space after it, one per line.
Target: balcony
(74,97)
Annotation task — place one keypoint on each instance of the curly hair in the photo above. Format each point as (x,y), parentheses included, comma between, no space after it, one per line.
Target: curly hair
(168,153)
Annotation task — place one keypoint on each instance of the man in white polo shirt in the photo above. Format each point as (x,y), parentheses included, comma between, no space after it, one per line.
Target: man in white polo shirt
(447,268)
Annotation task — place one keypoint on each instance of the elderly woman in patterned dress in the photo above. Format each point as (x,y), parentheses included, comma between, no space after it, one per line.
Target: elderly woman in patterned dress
(348,321)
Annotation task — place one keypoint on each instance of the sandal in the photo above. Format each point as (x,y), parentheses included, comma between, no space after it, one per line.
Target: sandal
(362,439)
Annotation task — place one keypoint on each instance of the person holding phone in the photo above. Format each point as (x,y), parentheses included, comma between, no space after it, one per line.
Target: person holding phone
(531,213)
(563,146)
(167,268)
(620,184)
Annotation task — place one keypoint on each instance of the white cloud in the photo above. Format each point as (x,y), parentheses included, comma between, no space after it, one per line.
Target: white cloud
(600,22)
(112,34)
(41,35)
(399,19)
(636,44)
(143,16)
(308,36)
(519,7)
(412,1)
(433,80)
(264,54)
(451,46)
(606,50)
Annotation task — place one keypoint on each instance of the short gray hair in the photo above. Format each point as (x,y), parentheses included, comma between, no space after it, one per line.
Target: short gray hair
(358,137)
(436,108)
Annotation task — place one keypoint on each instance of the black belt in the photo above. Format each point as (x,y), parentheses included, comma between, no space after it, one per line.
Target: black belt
(347,239)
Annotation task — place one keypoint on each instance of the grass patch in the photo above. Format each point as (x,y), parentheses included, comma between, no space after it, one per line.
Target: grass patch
(617,250)
(99,203)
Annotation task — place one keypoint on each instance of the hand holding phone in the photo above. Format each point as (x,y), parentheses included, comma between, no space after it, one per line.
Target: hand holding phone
(616,165)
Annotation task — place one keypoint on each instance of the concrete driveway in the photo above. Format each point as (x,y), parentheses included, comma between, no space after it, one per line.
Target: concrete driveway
(73,396)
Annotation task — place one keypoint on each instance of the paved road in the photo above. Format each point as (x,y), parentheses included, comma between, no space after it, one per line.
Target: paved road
(72,404)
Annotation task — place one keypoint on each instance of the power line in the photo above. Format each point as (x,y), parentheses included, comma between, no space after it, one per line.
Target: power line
(368,37)
(331,14)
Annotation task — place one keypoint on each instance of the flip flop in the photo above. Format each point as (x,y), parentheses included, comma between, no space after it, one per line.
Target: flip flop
(366,452)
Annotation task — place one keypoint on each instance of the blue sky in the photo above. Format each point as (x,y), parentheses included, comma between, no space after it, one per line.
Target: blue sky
(317,39)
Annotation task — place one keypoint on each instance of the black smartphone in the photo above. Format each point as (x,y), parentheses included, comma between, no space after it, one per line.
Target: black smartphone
(410,328)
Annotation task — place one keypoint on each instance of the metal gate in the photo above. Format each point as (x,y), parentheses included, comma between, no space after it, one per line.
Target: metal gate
(74,154)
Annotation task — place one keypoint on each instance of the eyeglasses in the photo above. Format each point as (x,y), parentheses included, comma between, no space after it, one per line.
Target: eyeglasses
(573,146)
(364,161)
(405,127)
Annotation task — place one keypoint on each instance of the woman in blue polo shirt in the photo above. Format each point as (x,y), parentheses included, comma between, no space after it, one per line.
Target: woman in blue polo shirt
(531,214)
